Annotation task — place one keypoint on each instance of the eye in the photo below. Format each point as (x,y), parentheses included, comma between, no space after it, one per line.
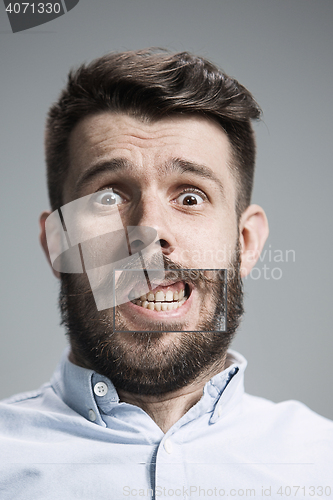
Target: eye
(190,198)
(108,197)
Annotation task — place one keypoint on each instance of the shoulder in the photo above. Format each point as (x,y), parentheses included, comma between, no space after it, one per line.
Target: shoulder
(42,399)
(290,413)
(25,397)
(288,425)
(32,408)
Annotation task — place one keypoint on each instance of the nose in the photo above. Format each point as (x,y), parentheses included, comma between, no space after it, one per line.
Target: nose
(152,225)
(140,237)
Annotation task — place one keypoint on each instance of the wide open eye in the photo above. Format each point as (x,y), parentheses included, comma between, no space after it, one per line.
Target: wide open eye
(190,198)
(108,197)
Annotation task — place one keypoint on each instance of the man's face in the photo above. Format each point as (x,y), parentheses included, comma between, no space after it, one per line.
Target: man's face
(171,175)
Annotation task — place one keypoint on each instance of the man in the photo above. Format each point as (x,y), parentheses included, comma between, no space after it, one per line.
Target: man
(150,160)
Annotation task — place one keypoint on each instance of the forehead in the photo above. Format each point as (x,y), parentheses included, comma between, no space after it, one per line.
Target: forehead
(148,145)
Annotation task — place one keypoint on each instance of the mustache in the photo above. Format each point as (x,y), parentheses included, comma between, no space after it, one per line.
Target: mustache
(157,269)
(160,269)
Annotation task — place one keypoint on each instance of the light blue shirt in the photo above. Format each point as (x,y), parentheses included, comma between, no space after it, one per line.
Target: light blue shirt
(73,439)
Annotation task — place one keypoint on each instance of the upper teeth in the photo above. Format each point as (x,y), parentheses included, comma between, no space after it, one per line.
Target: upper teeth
(159,296)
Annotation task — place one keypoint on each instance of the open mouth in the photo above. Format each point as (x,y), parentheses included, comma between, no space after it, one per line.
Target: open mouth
(162,298)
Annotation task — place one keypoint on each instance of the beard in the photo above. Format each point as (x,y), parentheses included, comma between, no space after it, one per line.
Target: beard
(146,362)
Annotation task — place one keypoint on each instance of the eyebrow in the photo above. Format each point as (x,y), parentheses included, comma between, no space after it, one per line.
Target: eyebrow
(183,166)
(113,165)
(176,165)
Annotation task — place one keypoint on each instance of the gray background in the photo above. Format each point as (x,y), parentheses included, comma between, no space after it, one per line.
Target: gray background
(282,51)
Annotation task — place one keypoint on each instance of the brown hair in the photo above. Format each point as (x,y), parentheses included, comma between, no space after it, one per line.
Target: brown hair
(153,84)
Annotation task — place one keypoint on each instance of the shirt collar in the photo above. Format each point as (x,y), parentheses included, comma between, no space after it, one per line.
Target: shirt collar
(91,394)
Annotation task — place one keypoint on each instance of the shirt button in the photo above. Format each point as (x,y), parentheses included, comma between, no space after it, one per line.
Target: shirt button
(92,415)
(100,389)
(168,446)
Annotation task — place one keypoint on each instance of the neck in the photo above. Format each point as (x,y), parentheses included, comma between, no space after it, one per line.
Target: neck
(168,408)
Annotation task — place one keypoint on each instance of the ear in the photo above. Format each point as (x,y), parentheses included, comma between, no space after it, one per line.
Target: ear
(253,230)
(43,241)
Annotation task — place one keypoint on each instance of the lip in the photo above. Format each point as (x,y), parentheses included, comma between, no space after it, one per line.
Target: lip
(123,297)
(131,311)
(165,283)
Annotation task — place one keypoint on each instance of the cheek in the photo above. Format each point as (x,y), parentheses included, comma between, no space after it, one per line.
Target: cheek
(211,246)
